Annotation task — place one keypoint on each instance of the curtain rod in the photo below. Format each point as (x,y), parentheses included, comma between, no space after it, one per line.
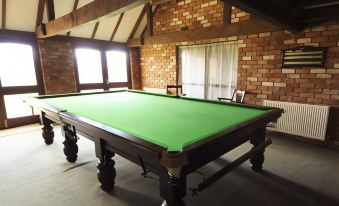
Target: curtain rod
(209,44)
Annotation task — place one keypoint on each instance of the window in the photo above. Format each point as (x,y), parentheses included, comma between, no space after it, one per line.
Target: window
(14,72)
(15,106)
(91,90)
(208,71)
(20,77)
(101,69)
(116,65)
(89,66)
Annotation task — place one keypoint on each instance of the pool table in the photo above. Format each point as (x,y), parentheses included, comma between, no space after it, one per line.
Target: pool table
(169,136)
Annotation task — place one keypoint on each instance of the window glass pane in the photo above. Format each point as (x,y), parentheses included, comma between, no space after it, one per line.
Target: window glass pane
(117,68)
(89,66)
(91,90)
(15,107)
(17,65)
(118,88)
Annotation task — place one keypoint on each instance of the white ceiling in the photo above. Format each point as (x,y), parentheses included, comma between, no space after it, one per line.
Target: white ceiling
(106,28)
(127,24)
(21,16)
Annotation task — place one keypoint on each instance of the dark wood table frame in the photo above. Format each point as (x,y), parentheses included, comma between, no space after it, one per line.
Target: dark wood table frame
(172,168)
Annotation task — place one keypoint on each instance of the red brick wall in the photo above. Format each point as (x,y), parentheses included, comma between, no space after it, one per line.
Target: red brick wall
(57,66)
(158,65)
(191,14)
(238,15)
(158,62)
(259,70)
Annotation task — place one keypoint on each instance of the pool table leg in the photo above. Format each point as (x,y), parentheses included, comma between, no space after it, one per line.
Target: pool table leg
(258,138)
(173,190)
(106,171)
(47,130)
(70,143)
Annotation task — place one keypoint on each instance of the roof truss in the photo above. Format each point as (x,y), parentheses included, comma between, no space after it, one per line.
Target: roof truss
(291,15)
(267,11)
(92,12)
(3,17)
(241,28)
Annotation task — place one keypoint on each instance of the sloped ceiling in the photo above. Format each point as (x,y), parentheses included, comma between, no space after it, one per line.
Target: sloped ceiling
(21,16)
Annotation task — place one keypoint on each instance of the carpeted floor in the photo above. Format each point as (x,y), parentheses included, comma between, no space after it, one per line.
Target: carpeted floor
(295,173)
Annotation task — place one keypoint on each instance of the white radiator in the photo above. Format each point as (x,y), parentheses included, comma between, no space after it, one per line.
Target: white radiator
(301,119)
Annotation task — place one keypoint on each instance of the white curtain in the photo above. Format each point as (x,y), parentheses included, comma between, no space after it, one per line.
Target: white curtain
(209,71)
(193,75)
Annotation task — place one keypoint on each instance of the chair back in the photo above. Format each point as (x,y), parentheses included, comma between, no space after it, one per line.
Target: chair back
(237,96)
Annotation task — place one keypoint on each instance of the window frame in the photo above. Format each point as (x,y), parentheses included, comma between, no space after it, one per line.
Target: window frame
(179,63)
(102,48)
(12,90)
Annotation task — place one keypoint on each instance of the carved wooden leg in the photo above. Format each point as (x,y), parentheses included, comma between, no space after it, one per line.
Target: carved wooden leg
(258,160)
(70,143)
(48,133)
(173,190)
(106,172)
(47,130)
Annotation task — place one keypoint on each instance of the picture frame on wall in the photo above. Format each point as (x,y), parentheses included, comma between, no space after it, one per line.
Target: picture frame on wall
(304,56)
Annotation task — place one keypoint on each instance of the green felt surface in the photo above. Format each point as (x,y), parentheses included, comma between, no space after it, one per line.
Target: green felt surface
(168,122)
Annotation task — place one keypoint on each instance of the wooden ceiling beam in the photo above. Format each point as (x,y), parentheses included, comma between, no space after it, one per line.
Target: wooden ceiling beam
(95,30)
(75,6)
(157,2)
(149,24)
(137,23)
(117,26)
(50,10)
(241,28)
(40,12)
(227,13)
(12,34)
(313,3)
(3,18)
(322,14)
(90,13)
(268,12)
(148,30)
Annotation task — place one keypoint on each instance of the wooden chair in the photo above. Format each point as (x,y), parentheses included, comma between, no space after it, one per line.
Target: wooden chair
(178,89)
(237,96)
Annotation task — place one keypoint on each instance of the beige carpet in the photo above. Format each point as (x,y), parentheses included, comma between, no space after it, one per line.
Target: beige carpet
(32,173)
(19,130)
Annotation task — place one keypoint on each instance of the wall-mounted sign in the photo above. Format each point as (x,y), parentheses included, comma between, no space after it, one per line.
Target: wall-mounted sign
(304,56)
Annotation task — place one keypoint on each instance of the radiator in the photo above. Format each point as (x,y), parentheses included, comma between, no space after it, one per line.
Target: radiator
(304,120)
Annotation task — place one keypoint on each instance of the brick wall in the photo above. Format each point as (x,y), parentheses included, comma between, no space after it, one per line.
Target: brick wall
(260,74)
(158,65)
(158,62)
(57,66)
(259,70)
(191,14)
(238,15)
